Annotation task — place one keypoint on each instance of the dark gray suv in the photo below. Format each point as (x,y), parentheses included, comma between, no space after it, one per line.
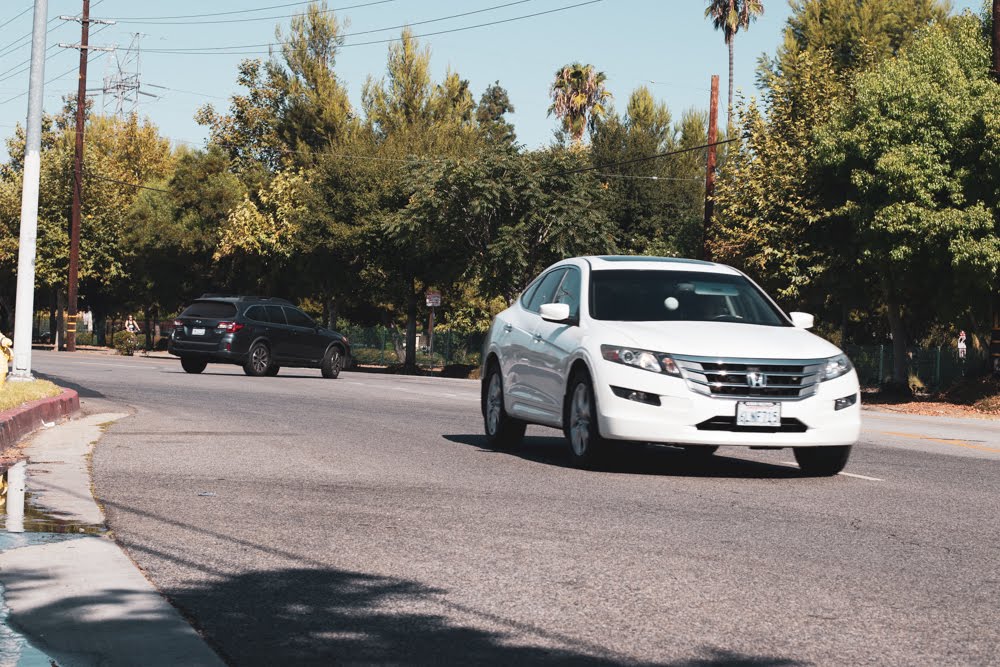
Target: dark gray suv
(258,333)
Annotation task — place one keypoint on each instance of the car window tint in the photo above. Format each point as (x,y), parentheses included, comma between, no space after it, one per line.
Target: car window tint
(528,291)
(569,291)
(210,309)
(275,315)
(546,290)
(658,296)
(297,318)
(256,313)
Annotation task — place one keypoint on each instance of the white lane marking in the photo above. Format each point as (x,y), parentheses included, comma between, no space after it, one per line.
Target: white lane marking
(845,474)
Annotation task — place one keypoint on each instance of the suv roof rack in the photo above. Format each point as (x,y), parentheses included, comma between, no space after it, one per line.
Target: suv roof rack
(243,297)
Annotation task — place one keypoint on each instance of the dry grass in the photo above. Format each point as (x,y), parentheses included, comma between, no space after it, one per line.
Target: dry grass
(13,394)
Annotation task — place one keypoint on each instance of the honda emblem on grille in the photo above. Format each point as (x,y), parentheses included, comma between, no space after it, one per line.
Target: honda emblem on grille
(756,380)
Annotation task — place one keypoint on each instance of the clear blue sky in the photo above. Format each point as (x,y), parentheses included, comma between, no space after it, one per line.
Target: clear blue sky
(667,45)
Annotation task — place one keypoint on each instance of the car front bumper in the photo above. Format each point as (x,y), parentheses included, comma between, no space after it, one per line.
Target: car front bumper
(676,420)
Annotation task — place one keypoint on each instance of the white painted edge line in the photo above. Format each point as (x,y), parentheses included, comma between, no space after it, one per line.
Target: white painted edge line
(845,474)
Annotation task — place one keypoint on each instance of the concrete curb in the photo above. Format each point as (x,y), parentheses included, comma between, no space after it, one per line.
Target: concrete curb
(19,422)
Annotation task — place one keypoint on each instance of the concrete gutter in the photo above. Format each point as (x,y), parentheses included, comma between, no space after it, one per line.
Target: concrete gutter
(80,600)
(19,422)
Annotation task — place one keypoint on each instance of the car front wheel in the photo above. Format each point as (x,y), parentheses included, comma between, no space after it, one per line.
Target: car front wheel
(332,363)
(822,461)
(258,361)
(586,446)
(502,430)
(193,365)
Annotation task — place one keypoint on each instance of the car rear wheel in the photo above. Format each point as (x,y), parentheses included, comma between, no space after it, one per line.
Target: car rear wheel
(587,449)
(822,461)
(332,363)
(258,361)
(502,430)
(193,365)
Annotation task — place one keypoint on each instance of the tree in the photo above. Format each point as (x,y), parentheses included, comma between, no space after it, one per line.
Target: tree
(578,98)
(730,16)
(494,105)
(857,32)
(910,169)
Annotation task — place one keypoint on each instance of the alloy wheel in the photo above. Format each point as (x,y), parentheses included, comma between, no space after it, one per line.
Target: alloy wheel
(579,419)
(494,403)
(260,359)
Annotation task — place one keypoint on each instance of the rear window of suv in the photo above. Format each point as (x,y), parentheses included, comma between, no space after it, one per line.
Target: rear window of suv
(210,309)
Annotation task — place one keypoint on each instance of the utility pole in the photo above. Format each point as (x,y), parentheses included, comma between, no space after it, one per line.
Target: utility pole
(81,117)
(713,138)
(996,40)
(25,302)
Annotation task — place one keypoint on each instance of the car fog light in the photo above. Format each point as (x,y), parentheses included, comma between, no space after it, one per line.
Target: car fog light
(845,402)
(637,396)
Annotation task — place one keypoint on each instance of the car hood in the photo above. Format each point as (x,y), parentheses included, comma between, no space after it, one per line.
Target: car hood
(719,339)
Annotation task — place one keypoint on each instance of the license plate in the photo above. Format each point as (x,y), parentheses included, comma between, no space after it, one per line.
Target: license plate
(758,414)
(198,331)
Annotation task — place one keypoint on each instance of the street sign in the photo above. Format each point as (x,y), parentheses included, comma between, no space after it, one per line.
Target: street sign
(433,298)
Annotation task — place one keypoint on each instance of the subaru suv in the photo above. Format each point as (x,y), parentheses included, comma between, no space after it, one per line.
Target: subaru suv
(664,350)
(258,333)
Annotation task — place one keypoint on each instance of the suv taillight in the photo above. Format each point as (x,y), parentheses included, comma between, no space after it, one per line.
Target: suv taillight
(229,327)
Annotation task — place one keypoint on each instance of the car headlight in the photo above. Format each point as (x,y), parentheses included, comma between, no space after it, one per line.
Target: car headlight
(836,366)
(655,362)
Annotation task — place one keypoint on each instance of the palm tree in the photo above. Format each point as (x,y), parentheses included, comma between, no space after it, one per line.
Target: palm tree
(578,97)
(729,16)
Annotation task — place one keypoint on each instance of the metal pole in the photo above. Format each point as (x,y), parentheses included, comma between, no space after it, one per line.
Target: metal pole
(996,39)
(881,367)
(713,137)
(74,235)
(25,296)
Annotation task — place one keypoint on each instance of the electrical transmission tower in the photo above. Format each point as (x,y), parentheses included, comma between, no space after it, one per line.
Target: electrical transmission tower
(121,87)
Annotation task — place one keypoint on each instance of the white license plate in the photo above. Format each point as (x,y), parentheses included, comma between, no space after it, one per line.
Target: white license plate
(198,331)
(758,413)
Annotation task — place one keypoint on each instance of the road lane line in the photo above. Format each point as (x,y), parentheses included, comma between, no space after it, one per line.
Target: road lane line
(845,474)
(946,441)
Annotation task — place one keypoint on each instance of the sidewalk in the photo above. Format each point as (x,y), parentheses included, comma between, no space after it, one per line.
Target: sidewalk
(71,592)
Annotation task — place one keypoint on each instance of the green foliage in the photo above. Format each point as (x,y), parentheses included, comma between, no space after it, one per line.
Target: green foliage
(125,342)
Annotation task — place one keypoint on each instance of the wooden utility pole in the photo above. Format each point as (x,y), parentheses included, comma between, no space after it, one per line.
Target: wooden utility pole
(996,39)
(81,119)
(74,233)
(713,138)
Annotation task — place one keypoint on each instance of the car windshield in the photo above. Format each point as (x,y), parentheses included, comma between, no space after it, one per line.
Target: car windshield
(679,296)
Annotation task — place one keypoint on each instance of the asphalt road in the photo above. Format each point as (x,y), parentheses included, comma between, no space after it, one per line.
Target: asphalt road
(297,520)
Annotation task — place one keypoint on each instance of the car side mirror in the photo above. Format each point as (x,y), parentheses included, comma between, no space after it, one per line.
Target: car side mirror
(555,312)
(802,320)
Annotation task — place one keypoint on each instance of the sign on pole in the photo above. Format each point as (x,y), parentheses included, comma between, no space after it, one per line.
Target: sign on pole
(433,298)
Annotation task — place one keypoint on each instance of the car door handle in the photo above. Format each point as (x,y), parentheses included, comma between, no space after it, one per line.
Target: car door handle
(508,328)
(538,338)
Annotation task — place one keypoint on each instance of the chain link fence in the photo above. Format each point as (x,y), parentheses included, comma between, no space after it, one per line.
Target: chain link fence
(383,346)
(932,369)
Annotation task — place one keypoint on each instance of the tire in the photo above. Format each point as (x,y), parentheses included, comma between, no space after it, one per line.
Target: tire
(822,461)
(272,371)
(502,430)
(587,449)
(193,365)
(258,361)
(333,362)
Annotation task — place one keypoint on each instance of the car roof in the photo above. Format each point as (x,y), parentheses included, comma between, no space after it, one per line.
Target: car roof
(643,263)
(236,298)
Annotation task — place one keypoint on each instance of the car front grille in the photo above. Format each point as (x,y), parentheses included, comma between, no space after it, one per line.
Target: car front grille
(769,379)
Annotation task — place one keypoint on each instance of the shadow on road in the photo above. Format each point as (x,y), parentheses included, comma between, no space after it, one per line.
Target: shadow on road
(84,392)
(639,459)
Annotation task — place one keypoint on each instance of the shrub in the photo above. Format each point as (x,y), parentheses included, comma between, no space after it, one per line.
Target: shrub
(85,338)
(126,343)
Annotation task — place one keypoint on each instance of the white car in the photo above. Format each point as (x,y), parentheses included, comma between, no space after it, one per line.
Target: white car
(665,350)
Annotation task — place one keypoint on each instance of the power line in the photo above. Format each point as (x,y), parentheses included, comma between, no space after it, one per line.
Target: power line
(13,47)
(643,159)
(133,185)
(17,16)
(47,58)
(386,41)
(188,92)
(352,34)
(69,71)
(245,20)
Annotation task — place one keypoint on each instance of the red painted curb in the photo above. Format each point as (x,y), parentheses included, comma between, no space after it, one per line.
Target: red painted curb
(19,422)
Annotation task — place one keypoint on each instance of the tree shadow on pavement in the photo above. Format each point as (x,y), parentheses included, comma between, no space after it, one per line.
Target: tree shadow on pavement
(639,459)
(329,616)
(84,392)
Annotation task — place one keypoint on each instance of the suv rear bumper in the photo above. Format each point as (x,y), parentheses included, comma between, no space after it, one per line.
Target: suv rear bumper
(204,352)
